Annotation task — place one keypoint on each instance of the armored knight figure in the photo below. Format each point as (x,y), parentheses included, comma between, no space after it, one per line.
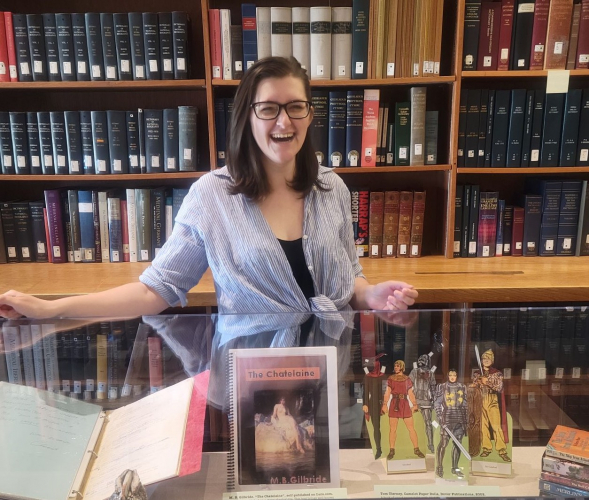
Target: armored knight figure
(424,387)
(451,410)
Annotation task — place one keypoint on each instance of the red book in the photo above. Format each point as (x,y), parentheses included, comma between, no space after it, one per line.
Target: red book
(375,224)
(4,71)
(215,43)
(417,220)
(539,34)
(404,234)
(367,335)
(390,228)
(489,36)
(582,60)
(506,25)
(125,231)
(517,239)
(370,127)
(361,200)
(487,231)
(10,46)
(154,347)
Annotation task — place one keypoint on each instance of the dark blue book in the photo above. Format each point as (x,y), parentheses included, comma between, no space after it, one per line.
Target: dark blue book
(117,141)
(115,235)
(180,43)
(51,48)
(22,48)
(166,45)
(527,133)
(483,114)
(473,220)
(37,47)
(80,47)
(65,47)
(537,123)
(521,34)
(46,143)
(20,148)
(550,191)
(87,142)
(151,44)
(137,45)
(100,142)
(6,149)
(532,204)
(500,233)
(133,142)
(33,143)
(568,219)
(472,128)
(94,44)
(86,226)
(472,24)
(466,201)
(123,45)
(583,138)
(109,48)
(570,128)
(462,112)
(500,129)
(38,226)
(187,127)
(354,124)
(171,142)
(220,131)
(59,140)
(336,143)
(489,129)
(249,34)
(319,129)
(74,142)
(360,31)
(551,134)
(516,128)
(154,140)
(24,231)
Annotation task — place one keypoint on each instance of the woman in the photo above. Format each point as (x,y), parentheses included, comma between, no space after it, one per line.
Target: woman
(273,226)
(285,423)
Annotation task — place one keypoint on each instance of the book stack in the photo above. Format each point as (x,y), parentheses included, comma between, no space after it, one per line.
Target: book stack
(93,46)
(550,219)
(565,464)
(389,223)
(521,35)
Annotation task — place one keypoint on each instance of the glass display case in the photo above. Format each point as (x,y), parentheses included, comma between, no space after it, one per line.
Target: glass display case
(332,405)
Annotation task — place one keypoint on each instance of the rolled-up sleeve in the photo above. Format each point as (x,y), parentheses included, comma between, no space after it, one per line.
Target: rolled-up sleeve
(182,261)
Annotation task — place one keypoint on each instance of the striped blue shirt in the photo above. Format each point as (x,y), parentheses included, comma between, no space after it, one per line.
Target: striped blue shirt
(250,269)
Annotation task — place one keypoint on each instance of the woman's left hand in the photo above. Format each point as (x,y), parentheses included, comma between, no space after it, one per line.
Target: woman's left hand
(391,296)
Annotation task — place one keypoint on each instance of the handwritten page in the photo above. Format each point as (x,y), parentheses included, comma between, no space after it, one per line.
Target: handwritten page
(146,436)
(44,438)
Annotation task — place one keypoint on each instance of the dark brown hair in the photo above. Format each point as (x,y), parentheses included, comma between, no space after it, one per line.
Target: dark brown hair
(244,158)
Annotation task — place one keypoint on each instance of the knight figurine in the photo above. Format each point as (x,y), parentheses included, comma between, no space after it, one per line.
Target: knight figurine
(424,386)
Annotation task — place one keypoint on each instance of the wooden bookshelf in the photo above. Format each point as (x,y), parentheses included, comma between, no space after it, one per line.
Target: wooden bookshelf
(438,280)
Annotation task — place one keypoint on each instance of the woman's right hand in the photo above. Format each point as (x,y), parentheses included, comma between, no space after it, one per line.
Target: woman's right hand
(15,304)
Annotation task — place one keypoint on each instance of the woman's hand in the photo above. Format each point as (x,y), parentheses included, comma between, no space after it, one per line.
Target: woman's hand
(15,304)
(390,296)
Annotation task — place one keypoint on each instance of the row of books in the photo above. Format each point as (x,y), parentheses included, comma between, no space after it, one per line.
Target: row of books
(523,128)
(558,337)
(89,226)
(552,219)
(565,464)
(388,224)
(106,360)
(521,35)
(99,142)
(93,46)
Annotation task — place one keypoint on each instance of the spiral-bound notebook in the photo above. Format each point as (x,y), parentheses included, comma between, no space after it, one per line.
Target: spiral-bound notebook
(55,447)
(283,418)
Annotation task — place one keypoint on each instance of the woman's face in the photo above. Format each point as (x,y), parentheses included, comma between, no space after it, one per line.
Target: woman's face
(280,139)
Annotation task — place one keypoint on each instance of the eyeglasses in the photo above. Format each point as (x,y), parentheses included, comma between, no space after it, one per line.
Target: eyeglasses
(270,110)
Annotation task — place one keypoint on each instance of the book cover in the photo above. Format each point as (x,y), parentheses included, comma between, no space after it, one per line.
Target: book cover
(37,46)
(151,43)
(516,127)
(405,215)
(341,43)
(80,45)
(360,32)
(505,31)
(74,142)
(180,39)
(390,232)
(557,34)
(417,223)
(540,25)
(319,128)
(284,418)
(137,46)
(487,230)
(472,23)
(521,39)
(250,39)
(336,144)
(320,43)
(375,224)
(166,45)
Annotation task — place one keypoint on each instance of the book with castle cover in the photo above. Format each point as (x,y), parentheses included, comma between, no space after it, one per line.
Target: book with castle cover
(283,418)
(67,448)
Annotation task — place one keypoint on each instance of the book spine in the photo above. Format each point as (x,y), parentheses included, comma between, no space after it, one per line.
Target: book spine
(154,145)
(552,129)
(109,49)
(516,128)
(353,129)
(482,128)
(87,142)
(118,151)
(59,141)
(489,36)
(94,44)
(18,131)
(404,234)
(102,362)
(87,241)
(171,140)
(236,36)
(151,42)
(390,224)
(38,228)
(57,244)
(45,142)
(558,489)
(517,238)
(341,43)
(166,45)
(417,221)
(550,191)
(51,47)
(141,127)
(137,45)
(375,224)
(122,43)
(360,32)
(115,235)
(132,142)
(154,348)
(472,23)
(320,125)
(370,127)
(522,34)
(80,46)
(527,129)
(180,38)
(65,46)
(264,25)
(158,230)
(143,214)
(132,224)
(537,123)
(4,64)
(21,44)
(570,128)
(73,142)
(12,347)
(500,129)
(582,55)
(532,221)
(38,363)
(301,35)
(100,142)
(473,220)
(320,43)
(539,28)
(24,231)
(557,35)
(10,47)
(187,142)
(471,140)
(337,129)
(36,41)
(568,219)
(103,223)
(417,140)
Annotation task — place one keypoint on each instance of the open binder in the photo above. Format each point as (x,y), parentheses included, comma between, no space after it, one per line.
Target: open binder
(58,448)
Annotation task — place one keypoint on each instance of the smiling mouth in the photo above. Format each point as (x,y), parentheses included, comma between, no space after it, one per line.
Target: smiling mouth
(282,137)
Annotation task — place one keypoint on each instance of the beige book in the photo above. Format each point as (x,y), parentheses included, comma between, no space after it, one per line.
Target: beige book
(341,43)
(379,39)
(301,36)
(263,32)
(391,38)
(320,43)
(417,142)
(281,31)
(417,40)
(437,42)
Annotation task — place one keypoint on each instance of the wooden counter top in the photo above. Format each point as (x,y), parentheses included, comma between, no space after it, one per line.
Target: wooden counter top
(439,280)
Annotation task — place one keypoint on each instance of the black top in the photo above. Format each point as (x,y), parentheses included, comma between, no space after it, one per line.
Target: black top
(296,258)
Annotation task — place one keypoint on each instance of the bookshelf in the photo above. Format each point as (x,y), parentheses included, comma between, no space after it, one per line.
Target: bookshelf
(201,90)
